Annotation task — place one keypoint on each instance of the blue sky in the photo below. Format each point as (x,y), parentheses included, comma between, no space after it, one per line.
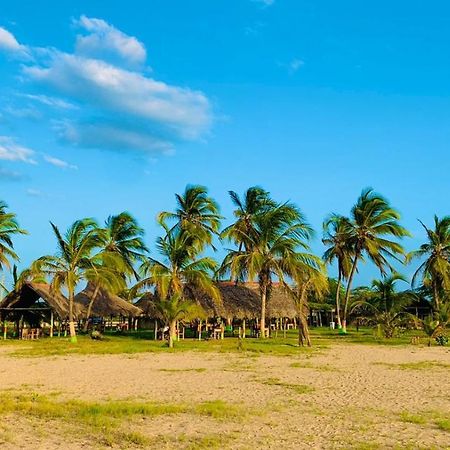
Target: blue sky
(111,106)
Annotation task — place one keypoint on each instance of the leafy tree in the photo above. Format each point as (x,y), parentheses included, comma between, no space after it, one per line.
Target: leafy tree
(435,269)
(435,324)
(196,213)
(272,250)
(9,227)
(337,237)
(372,222)
(73,260)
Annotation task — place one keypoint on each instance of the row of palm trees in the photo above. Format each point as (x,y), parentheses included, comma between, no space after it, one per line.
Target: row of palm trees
(269,241)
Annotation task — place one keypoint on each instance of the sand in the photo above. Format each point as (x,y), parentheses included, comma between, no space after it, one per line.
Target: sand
(358,395)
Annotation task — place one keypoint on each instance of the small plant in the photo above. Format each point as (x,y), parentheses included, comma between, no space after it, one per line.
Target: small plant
(442,340)
(96,335)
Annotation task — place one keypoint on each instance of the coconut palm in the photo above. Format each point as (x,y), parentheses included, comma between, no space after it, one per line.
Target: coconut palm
(435,324)
(173,309)
(123,236)
(336,236)
(73,260)
(435,269)
(373,221)
(9,227)
(273,250)
(196,213)
(256,201)
(181,266)
(384,305)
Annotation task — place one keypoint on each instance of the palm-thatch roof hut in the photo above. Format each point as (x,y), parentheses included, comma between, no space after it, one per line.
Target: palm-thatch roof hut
(106,304)
(34,297)
(147,305)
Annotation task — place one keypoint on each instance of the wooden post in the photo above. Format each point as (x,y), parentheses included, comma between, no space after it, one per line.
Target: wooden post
(51,323)
(5,330)
(199,330)
(243,329)
(155,330)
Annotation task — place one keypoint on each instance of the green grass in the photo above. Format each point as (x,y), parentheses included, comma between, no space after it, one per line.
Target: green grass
(308,365)
(297,388)
(421,365)
(140,342)
(109,422)
(195,369)
(443,424)
(413,418)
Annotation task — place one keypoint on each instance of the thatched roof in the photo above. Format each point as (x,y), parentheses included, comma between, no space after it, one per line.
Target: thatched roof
(147,304)
(106,304)
(30,293)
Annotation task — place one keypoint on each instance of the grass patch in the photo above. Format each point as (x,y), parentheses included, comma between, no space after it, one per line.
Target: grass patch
(197,369)
(219,409)
(413,418)
(298,388)
(308,365)
(421,365)
(443,424)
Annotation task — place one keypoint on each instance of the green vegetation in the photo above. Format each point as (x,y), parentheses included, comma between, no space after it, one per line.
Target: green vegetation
(297,388)
(421,365)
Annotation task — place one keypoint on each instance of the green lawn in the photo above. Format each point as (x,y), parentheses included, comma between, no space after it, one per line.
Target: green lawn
(140,341)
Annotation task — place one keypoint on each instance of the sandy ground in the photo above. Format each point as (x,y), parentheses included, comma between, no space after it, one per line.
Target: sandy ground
(357,396)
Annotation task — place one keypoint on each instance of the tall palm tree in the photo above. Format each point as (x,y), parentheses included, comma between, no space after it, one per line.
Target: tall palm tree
(336,236)
(373,221)
(196,213)
(72,261)
(435,269)
(182,267)
(256,201)
(273,250)
(9,227)
(123,236)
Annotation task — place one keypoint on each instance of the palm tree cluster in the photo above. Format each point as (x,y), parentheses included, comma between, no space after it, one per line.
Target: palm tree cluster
(269,241)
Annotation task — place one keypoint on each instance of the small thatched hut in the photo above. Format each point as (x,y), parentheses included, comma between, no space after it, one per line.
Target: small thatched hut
(35,303)
(106,304)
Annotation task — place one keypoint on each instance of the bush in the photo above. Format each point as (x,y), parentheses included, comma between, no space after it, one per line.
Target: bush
(96,335)
(441,339)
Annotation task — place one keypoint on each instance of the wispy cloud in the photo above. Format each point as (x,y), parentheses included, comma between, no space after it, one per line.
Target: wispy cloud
(10,150)
(292,66)
(10,175)
(59,162)
(121,107)
(9,44)
(265,3)
(35,193)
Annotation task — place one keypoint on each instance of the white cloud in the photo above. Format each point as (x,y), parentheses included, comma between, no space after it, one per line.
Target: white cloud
(118,105)
(10,44)
(59,162)
(49,101)
(35,193)
(295,64)
(11,151)
(105,41)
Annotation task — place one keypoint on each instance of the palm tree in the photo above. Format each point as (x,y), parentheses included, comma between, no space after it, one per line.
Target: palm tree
(181,267)
(271,251)
(123,236)
(435,270)
(256,201)
(435,324)
(196,213)
(73,260)
(8,228)
(311,280)
(384,305)
(337,233)
(172,310)
(373,221)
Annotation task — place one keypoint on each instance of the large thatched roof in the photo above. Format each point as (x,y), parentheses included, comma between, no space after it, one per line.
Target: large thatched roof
(106,304)
(239,301)
(30,293)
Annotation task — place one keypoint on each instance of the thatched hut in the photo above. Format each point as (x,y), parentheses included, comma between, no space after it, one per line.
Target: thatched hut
(106,304)
(35,303)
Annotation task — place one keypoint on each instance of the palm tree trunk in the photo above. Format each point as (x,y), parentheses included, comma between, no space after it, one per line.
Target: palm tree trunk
(172,332)
(347,293)
(262,322)
(303,329)
(338,305)
(89,310)
(73,335)
(436,297)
